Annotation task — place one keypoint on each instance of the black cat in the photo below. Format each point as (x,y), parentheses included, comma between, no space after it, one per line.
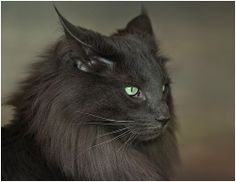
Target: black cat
(94,108)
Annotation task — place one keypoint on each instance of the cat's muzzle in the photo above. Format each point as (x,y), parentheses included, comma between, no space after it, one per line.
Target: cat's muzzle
(151,132)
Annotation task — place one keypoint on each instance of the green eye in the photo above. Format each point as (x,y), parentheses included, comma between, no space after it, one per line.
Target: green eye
(131,91)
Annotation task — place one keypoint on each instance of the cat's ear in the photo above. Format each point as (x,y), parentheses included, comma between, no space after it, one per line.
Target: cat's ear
(87,48)
(140,24)
(80,35)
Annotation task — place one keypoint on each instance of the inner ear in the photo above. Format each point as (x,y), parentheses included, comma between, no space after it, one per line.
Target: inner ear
(69,52)
(85,59)
(95,64)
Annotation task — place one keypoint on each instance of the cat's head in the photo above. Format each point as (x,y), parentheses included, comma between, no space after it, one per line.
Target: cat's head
(116,81)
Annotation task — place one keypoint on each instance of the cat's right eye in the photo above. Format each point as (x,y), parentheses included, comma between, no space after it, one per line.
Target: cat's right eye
(165,88)
(132,91)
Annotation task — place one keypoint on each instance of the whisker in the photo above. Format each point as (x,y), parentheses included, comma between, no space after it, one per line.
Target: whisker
(126,143)
(112,132)
(108,141)
(97,122)
(131,138)
(115,138)
(103,124)
(106,119)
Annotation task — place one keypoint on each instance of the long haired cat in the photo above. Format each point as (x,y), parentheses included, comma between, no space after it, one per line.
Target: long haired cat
(94,108)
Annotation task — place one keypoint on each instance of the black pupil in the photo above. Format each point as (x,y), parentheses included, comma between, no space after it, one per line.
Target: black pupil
(136,93)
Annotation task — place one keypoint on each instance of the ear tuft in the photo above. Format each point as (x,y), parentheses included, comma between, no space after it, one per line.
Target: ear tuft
(71,30)
(86,39)
(143,10)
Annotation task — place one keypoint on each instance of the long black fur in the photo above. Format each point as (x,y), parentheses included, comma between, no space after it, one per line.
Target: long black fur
(52,138)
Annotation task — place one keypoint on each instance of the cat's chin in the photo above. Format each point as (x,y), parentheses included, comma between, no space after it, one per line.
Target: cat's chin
(148,136)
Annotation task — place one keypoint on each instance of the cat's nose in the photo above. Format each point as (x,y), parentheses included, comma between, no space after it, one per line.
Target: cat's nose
(163,115)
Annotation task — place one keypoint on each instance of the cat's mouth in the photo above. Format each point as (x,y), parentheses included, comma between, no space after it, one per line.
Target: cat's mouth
(149,134)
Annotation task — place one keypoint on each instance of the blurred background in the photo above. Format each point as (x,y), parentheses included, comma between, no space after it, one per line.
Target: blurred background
(198,37)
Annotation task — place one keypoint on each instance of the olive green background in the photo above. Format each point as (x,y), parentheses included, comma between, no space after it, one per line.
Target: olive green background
(198,37)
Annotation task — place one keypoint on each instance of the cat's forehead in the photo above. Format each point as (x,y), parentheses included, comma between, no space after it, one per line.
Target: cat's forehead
(130,45)
(138,61)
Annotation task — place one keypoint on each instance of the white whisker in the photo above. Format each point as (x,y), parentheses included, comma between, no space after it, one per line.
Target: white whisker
(108,141)
(106,119)
(112,132)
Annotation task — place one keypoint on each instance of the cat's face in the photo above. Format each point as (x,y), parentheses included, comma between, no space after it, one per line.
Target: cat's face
(120,80)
